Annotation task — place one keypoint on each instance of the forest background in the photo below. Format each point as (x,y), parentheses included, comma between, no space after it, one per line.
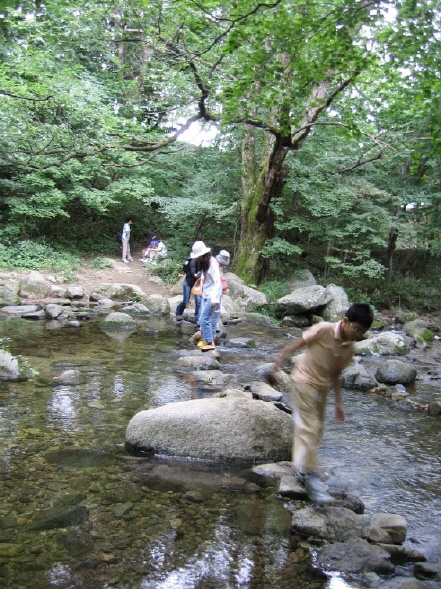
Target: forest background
(325,121)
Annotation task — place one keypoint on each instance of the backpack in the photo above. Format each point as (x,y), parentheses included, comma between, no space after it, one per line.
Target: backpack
(188,271)
(119,236)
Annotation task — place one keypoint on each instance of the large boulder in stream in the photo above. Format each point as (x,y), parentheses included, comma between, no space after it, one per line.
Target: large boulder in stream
(232,429)
(303,300)
(245,297)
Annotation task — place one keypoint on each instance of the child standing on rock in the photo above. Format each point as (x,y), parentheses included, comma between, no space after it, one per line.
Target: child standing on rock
(329,349)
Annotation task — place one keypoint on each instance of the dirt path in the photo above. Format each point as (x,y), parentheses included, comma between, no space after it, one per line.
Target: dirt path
(132,273)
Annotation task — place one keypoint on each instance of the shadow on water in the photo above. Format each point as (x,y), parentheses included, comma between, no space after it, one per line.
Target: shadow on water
(77,511)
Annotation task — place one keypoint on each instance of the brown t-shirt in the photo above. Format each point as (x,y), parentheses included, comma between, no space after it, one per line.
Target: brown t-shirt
(325,357)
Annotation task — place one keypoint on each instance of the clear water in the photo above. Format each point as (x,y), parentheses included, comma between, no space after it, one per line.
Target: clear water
(77,511)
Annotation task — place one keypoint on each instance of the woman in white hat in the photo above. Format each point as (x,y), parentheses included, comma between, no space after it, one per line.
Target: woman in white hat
(211,294)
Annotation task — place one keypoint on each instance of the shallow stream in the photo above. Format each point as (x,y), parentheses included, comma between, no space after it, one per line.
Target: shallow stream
(76,511)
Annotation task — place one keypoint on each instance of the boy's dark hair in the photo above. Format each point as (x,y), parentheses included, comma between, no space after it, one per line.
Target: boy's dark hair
(128,219)
(361,313)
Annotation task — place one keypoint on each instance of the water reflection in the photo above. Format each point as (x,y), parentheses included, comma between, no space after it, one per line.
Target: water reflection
(62,407)
(154,524)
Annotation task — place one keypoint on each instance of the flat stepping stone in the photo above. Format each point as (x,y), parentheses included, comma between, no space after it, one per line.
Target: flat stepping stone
(291,487)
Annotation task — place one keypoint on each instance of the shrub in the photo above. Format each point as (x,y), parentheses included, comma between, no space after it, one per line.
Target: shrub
(30,255)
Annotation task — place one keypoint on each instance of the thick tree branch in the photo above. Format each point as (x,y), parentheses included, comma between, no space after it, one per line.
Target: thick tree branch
(11,95)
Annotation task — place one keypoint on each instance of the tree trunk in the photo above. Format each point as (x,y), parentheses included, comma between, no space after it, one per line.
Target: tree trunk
(257,219)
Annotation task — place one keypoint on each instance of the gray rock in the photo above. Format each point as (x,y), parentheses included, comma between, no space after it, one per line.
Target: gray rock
(241,342)
(419,330)
(274,469)
(57,292)
(69,377)
(403,554)
(210,377)
(136,309)
(74,292)
(157,304)
(221,429)
(331,523)
(245,297)
(9,366)
(387,343)
(427,570)
(53,311)
(118,320)
(9,294)
(291,487)
(338,305)
(400,583)
(284,380)
(36,315)
(201,361)
(395,372)
(106,304)
(296,321)
(301,279)
(394,525)
(265,392)
(355,556)
(356,376)
(34,285)
(129,292)
(341,524)
(434,408)
(19,310)
(302,300)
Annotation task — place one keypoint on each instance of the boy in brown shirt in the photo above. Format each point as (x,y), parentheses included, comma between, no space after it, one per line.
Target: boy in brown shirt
(329,349)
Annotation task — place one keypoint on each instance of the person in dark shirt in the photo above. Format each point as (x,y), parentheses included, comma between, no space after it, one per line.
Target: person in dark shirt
(192,273)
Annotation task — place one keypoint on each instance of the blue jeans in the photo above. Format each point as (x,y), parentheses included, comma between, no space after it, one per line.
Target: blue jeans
(186,288)
(209,318)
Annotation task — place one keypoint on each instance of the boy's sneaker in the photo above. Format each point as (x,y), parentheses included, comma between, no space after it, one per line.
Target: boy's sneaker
(316,489)
(207,347)
(201,343)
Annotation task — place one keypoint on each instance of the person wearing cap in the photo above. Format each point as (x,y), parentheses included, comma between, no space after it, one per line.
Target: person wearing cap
(211,294)
(223,257)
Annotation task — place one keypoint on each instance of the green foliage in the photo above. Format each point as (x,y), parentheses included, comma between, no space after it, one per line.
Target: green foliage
(398,292)
(274,290)
(100,263)
(168,269)
(279,247)
(28,255)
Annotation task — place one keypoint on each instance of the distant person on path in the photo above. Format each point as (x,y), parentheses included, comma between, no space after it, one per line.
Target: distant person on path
(160,251)
(126,255)
(151,246)
(329,349)
(192,273)
(211,294)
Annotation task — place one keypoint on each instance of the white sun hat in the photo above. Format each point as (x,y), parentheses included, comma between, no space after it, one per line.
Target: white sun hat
(223,257)
(199,249)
